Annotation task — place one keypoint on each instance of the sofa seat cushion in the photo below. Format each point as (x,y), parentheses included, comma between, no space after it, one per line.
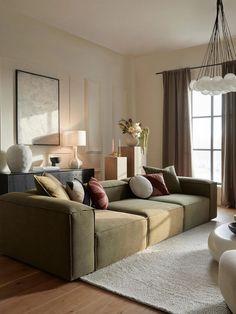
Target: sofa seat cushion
(118,235)
(164,220)
(196,208)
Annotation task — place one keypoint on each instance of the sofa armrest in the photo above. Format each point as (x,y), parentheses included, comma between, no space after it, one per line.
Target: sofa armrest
(52,234)
(201,187)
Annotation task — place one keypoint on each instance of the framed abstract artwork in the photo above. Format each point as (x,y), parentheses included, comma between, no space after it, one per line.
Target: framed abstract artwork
(37,109)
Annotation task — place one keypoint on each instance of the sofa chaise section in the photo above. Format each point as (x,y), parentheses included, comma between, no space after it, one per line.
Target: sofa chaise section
(118,235)
(51,234)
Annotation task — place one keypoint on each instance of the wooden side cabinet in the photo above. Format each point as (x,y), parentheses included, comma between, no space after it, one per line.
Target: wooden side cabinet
(136,159)
(115,168)
(20,182)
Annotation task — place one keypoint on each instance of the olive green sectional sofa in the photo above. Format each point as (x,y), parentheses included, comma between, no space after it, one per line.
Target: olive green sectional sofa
(70,239)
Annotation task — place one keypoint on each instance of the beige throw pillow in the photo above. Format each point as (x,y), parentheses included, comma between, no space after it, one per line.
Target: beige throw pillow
(46,185)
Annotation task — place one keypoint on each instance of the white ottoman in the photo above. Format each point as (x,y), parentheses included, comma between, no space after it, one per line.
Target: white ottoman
(227,278)
(220,240)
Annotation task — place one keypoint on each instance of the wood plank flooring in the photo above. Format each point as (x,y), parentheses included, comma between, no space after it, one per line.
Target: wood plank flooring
(24,289)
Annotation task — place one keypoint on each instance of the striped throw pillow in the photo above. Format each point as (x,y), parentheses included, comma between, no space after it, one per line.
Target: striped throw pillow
(158,184)
(97,194)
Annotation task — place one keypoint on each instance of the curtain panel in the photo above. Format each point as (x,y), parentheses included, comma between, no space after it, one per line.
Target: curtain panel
(229,142)
(176,121)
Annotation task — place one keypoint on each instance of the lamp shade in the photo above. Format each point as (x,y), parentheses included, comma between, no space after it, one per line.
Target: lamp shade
(74,138)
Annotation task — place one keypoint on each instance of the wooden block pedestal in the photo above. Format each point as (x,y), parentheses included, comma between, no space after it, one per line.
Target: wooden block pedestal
(115,168)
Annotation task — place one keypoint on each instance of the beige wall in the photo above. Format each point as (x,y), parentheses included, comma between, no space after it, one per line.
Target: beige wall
(119,86)
(89,75)
(149,91)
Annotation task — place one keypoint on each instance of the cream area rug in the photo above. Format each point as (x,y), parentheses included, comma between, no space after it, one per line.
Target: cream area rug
(177,275)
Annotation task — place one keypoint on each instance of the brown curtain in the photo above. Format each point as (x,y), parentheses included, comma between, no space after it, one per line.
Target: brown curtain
(229,142)
(176,122)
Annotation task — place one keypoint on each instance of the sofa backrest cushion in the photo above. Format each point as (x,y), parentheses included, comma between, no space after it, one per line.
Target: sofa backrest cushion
(97,194)
(170,177)
(117,190)
(141,186)
(46,185)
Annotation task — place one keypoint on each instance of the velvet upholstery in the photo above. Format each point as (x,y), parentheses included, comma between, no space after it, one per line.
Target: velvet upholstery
(196,208)
(164,220)
(201,187)
(118,235)
(52,234)
(70,239)
(117,190)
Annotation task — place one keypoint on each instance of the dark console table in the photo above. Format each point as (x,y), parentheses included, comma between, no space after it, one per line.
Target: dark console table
(20,182)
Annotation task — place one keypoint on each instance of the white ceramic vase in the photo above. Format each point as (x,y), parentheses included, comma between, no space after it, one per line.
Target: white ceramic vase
(19,158)
(130,140)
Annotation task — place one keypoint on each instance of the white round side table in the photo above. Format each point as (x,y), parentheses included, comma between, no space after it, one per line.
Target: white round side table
(220,240)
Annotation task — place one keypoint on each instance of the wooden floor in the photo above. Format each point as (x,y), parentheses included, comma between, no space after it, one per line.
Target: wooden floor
(24,289)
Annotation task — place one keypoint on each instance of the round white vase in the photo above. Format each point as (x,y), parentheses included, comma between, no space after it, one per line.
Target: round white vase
(19,158)
(130,140)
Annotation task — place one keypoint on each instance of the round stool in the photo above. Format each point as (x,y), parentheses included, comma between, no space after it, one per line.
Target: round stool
(220,240)
(227,278)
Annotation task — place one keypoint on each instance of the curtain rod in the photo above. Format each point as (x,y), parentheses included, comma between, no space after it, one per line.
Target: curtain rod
(196,67)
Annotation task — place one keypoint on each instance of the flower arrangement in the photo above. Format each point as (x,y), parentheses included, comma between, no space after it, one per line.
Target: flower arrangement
(127,126)
(144,137)
(136,130)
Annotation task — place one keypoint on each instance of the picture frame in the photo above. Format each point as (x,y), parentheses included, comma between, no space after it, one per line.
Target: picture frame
(37,109)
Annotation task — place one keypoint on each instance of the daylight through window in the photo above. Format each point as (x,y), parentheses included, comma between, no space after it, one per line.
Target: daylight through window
(206,136)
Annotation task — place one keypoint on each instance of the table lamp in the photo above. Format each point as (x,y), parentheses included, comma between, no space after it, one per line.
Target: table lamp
(75,138)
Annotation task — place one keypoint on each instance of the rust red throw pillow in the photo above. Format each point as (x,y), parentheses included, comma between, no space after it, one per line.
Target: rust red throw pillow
(158,184)
(97,194)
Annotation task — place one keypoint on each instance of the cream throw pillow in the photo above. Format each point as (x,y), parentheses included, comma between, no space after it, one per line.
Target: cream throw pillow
(75,191)
(141,187)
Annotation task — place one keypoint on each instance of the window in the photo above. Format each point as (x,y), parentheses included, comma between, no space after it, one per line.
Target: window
(206,136)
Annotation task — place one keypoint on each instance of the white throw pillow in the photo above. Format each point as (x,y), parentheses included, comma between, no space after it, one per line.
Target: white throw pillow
(140,186)
(75,191)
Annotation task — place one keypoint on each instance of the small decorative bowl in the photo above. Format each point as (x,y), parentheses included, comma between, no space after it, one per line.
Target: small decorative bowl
(55,160)
(232,227)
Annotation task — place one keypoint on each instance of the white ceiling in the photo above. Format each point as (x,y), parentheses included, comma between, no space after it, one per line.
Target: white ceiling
(133,27)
